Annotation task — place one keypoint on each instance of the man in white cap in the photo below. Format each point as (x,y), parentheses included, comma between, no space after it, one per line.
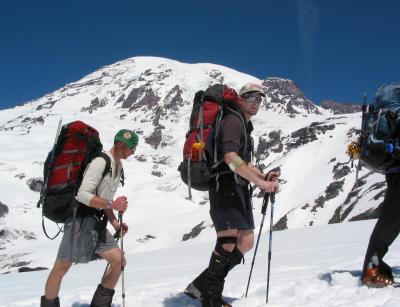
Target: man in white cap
(230,197)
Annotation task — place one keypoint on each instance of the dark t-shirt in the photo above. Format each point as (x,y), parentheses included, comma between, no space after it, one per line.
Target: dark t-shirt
(231,139)
(231,132)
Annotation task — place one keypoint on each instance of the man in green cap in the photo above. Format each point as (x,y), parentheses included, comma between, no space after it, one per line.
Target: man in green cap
(91,237)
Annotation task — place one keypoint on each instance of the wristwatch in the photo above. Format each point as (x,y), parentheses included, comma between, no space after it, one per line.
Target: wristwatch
(109,204)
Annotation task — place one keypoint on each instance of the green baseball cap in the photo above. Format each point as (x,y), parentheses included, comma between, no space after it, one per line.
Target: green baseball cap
(127,137)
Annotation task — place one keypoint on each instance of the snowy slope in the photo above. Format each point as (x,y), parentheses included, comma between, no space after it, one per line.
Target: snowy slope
(309,267)
(153,96)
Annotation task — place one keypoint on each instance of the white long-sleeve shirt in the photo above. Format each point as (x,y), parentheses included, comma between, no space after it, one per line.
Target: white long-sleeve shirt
(92,184)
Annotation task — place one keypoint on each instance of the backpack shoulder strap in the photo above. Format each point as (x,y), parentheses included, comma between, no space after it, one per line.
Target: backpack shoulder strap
(217,162)
(122,179)
(107,168)
(221,114)
(225,110)
(238,114)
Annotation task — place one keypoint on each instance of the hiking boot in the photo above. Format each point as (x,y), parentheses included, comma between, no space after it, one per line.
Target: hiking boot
(102,297)
(195,293)
(208,286)
(192,291)
(375,279)
(210,300)
(44,302)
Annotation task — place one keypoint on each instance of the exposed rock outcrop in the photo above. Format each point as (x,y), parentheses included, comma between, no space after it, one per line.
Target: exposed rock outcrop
(3,209)
(285,96)
(194,232)
(340,108)
(35,184)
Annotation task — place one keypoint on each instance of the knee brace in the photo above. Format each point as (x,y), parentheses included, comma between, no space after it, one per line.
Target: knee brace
(234,257)
(219,246)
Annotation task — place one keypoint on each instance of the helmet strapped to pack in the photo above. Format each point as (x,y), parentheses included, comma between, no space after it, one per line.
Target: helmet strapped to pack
(199,152)
(379,140)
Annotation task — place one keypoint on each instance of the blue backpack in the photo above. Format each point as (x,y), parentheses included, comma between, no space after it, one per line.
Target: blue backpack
(380,148)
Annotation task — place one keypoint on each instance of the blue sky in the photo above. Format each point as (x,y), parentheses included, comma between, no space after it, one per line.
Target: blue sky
(331,49)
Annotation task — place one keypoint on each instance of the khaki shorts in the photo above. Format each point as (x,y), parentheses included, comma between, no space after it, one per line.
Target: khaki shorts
(85,241)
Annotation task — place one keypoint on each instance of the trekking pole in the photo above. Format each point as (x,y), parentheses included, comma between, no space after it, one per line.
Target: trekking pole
(272,197)
(361,141)
(363,109)
(189,161)
(122,258)
(263,211)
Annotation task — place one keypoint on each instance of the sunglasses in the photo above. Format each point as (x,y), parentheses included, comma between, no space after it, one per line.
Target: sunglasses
(253,99)
(132,149)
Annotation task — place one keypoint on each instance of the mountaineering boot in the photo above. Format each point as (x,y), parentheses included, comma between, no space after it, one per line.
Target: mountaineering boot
(214,281)
(102,297)
(385,269)
(193,292)
(44,302)
(212,296)
(197,286)
(208,286)
(375,279)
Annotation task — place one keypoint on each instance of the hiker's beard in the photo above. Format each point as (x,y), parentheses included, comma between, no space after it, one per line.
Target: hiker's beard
(250,111)
(253,112)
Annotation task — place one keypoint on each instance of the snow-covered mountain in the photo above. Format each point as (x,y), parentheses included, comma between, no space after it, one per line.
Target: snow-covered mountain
(153,96)
(284,96)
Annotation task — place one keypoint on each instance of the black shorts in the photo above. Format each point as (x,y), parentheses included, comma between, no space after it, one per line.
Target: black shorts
(231,207)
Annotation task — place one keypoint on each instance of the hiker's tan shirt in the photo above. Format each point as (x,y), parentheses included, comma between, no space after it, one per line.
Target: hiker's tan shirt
(92,184)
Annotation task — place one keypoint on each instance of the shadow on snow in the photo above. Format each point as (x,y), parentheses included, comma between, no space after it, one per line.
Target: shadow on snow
(78,304)
(327,277)
(181,299)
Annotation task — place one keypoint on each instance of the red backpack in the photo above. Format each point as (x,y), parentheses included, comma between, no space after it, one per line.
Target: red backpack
(76,145)
(199,157)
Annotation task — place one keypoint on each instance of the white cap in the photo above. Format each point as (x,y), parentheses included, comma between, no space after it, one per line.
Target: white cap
(251,88)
